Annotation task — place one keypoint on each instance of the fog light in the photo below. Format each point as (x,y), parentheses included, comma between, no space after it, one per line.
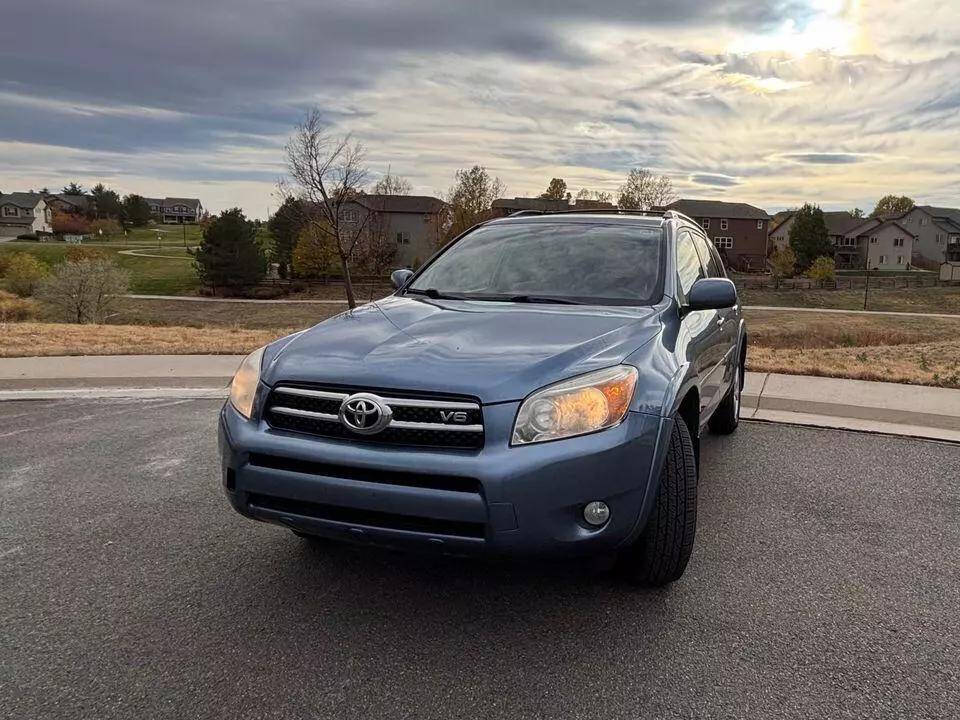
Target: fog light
(596,513)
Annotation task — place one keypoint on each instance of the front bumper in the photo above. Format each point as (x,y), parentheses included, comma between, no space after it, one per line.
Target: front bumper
(500,500)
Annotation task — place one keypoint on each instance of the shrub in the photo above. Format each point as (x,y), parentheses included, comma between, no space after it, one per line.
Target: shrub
(782,262)
(78,253)
(822,269)
(16,309)
(84,291)
(24,273)
(70,223)
(105,228)
(30,237)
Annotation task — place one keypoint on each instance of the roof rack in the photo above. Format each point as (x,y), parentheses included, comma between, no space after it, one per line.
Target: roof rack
(602,211)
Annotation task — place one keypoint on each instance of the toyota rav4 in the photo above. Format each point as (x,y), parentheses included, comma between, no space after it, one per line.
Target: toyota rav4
(538,387)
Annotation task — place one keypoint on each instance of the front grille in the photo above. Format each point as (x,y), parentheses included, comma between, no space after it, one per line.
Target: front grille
(451,483)
(368,518)
(420,421)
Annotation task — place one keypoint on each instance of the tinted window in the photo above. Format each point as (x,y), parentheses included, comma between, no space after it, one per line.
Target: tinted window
(615,264)
(709,256)
(688,263)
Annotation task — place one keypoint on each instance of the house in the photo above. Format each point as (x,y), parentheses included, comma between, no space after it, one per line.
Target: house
(24,212)
(76,204)
(738,230)
(414,222)
(887,244)
(938,234)
(507,206)
(175,211)
(839,223)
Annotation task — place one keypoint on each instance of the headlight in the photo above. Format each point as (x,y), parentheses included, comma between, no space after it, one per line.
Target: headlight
(244,386)
(577,406)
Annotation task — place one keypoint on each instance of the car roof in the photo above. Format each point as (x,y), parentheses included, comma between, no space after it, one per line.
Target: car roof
(610,217)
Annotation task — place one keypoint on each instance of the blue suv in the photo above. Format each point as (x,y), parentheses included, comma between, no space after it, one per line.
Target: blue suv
(538,387)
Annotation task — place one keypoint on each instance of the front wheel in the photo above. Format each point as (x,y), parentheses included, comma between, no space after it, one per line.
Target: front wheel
(661,553)
(727,416)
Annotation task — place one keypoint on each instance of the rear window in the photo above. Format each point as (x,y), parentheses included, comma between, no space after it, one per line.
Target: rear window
(602,264)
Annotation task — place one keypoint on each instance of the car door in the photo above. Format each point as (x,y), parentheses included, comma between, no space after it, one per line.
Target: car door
(728,319)
(702,332)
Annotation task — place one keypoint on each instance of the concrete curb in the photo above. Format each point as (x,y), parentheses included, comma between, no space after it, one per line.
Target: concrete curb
(889,408)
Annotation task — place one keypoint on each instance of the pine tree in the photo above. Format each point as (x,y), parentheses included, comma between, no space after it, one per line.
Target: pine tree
(808,236)
(229,256)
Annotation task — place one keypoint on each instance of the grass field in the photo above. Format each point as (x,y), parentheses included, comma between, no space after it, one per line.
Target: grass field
(922,351)
(169,275)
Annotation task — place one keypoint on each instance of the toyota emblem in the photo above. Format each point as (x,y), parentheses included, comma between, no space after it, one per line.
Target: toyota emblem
(365,413)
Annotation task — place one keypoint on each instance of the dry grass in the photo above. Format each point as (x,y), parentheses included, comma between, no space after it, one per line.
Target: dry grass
(17,309)
(921,300)
(919,351)
(32,339)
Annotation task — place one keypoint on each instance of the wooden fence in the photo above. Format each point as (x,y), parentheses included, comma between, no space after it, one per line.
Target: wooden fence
(843,282)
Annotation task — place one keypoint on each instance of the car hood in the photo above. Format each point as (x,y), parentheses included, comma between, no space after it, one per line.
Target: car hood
(496,352)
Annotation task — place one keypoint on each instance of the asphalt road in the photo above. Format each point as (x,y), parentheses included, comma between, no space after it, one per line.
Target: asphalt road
(825,582)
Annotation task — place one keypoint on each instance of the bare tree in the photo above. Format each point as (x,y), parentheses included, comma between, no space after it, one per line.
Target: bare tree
(644,190)
(378,248)
(595,195)
(328,173)
(84,291)
(391,184)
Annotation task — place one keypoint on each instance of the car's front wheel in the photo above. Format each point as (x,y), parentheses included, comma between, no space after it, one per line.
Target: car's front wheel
(727,416)
(661,553)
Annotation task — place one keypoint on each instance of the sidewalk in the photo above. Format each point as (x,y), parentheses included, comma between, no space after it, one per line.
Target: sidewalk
(910,410)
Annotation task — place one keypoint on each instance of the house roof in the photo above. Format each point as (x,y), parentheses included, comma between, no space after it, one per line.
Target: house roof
(171,201)
(876,225)
(838,222)
(81,202)
(946,212)
(401,203)
(524,203)
(26,200)
(718,209)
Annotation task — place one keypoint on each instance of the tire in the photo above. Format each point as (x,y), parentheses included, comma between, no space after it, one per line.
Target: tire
(726,417)
(660,554)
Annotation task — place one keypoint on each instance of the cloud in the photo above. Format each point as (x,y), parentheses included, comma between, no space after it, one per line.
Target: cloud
(714,179)
(207,96)
(838,158)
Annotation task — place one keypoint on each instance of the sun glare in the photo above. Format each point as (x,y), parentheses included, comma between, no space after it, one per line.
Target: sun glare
(828,25)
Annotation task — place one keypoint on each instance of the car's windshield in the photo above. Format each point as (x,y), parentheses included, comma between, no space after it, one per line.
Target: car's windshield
(543,262)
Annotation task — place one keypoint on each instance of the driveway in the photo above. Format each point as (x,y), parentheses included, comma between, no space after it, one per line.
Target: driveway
(824,583)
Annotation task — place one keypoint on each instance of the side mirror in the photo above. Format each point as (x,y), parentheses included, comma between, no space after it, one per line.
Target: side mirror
(400,277)
(712,294)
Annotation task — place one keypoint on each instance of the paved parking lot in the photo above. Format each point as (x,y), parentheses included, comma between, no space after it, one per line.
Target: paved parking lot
(825,583)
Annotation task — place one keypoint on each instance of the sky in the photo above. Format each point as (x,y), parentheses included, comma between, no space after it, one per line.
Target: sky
(771,102)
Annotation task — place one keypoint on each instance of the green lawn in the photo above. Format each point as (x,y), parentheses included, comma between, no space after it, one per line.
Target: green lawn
(170,275)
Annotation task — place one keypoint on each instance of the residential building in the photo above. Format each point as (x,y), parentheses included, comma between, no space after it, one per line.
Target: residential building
(414,222)
(175,211)
(938,234)
(738,230)
(887,244)
(24,212)
(78,204)
(846,253)
(508,206)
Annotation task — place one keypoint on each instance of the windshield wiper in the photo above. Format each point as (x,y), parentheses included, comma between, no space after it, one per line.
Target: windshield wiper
(435,294)
(542,299)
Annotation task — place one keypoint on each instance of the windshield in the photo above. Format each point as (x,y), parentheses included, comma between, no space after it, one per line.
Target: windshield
(540,262)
